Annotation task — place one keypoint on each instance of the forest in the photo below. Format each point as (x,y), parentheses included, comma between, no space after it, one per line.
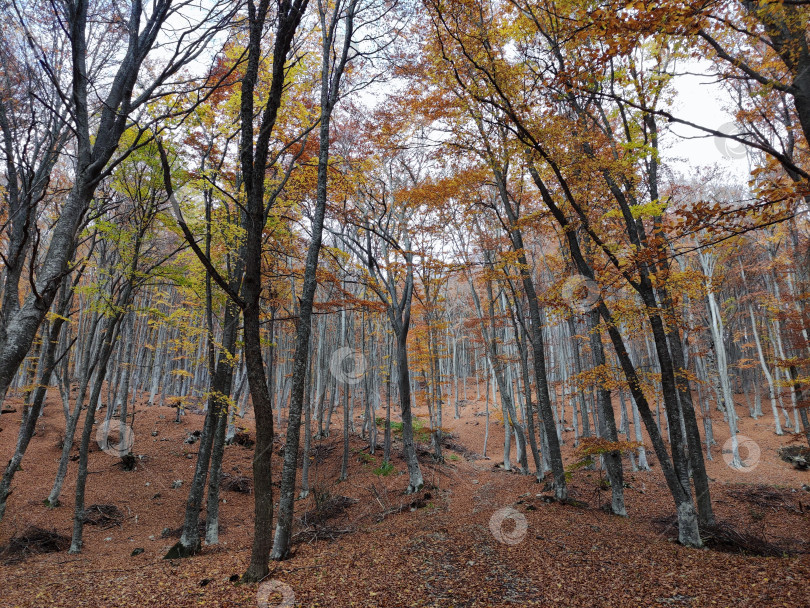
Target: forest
(457,303)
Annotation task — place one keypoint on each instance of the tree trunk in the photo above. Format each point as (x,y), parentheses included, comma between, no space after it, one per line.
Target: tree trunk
(538,346)
(189,542)
(111,332)
(415,481)
(606,419)
(31,414)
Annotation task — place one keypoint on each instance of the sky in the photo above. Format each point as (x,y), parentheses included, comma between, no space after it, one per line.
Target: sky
(701,101)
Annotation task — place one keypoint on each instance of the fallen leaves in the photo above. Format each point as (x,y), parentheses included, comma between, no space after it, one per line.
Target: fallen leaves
(441,553)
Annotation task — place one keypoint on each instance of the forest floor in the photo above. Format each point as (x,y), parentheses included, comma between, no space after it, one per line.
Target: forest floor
(436,548)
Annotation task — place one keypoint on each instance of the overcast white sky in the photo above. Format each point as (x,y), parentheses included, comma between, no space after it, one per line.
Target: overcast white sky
(703,102)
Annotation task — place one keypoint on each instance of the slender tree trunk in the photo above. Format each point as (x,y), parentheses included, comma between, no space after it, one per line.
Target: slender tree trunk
(215,478)
(530,409)
(389,379)
(111,333)
(538,345)
(330,85)
(344,463)
(606,419)
(31,414)
(415,481)
(189,542)
(307,432)
(88,364)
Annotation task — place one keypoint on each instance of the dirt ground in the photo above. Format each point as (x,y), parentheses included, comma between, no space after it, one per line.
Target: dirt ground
(475,536)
